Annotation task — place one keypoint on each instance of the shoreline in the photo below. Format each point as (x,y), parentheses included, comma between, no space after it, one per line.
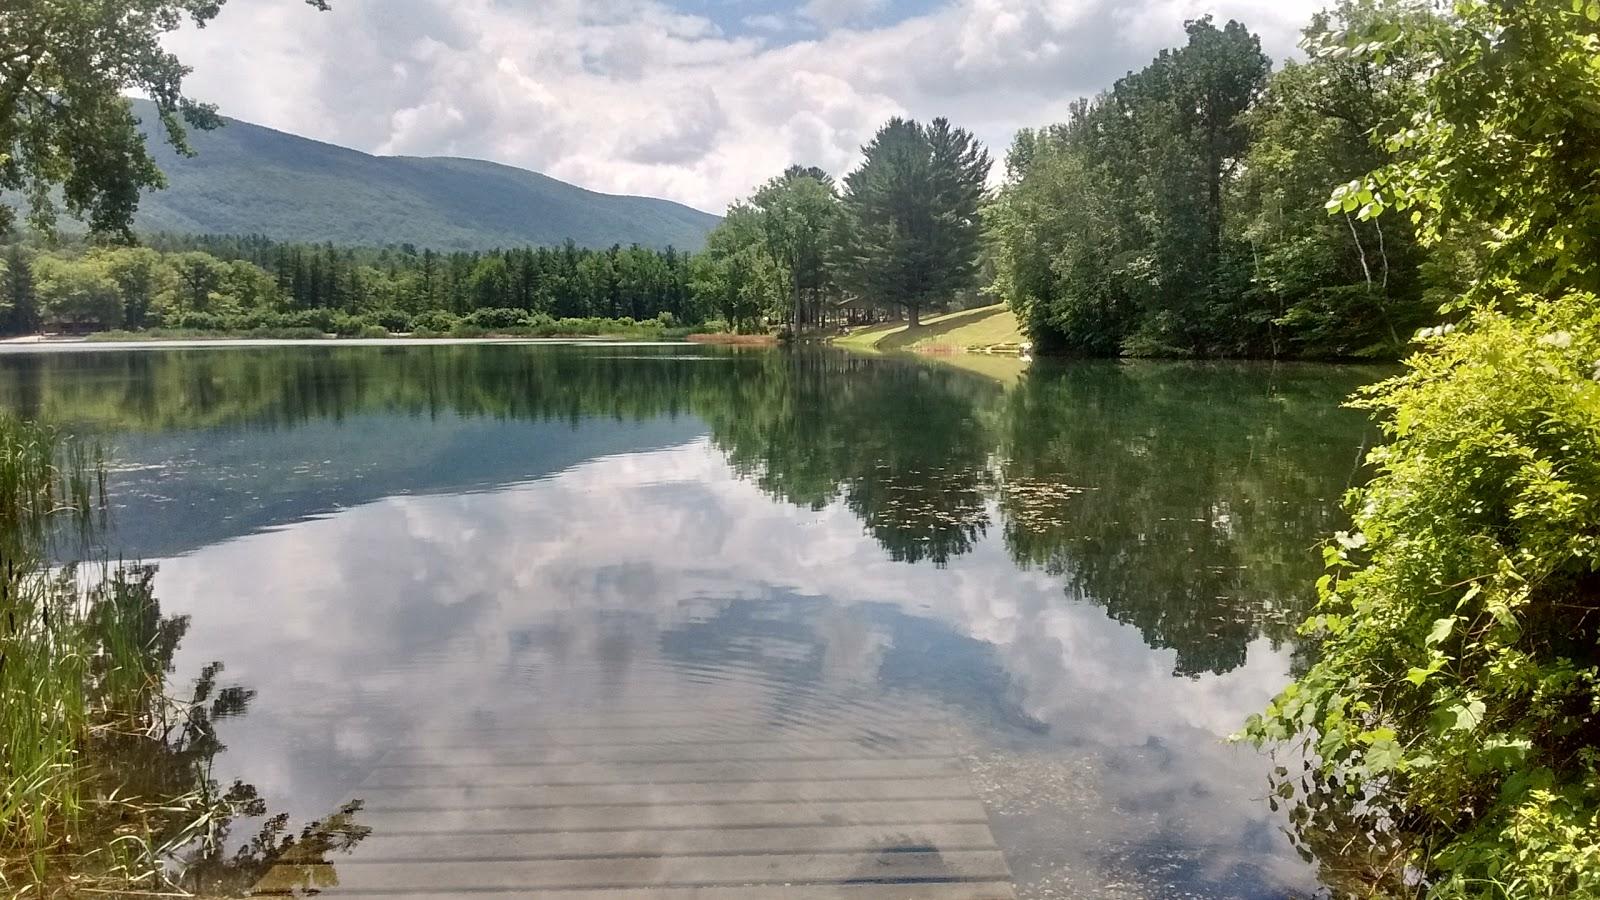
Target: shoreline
(79,344)
(33,342)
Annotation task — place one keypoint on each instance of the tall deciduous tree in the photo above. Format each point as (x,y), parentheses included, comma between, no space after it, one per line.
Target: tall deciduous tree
(798,212)
(912,208)
(64,124)
(200,275)
(78,293)
(1330,285)
(1114,234)
(734,275)
(141,276)
(1505,137)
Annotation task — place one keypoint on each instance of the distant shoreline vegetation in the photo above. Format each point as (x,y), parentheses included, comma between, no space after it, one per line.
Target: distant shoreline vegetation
(491,323)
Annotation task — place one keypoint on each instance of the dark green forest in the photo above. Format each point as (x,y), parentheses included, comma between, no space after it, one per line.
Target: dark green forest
(1182,212)
(252,284)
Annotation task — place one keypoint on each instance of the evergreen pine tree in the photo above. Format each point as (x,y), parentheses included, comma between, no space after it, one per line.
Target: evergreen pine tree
(22,313)
(912,208)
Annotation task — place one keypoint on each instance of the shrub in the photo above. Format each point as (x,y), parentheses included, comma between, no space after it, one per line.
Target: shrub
(288,334)
(434,322)
(541,325)
(373,331)
(320,319)
(347,325)
(495,318)
(199,321)
(396,321)
(468,330)
(256,319)
(1457,691)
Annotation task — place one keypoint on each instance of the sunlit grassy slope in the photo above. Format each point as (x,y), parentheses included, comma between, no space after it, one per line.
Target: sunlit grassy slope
(984,327)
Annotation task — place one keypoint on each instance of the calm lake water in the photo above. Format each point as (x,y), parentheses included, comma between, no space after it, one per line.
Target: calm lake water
(601,618)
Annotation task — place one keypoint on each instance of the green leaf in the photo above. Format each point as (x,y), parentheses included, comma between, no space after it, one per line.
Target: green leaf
(1384,754)
(1467,715)
(1503,753)
(1418,675)
(1441,631)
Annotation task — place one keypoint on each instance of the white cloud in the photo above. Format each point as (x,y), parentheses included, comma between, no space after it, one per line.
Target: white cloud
(833,13)
(634,96)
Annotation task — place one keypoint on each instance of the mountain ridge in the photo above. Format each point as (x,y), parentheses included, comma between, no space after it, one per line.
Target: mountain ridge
(251,179)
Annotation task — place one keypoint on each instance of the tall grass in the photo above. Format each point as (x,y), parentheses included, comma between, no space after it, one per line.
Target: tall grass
(75,664)
(44,712)
(105,776)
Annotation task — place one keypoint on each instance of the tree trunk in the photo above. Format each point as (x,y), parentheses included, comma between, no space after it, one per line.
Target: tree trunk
(914,316)
(1366,271)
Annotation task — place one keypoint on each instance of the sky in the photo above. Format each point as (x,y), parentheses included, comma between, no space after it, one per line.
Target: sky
(691,100)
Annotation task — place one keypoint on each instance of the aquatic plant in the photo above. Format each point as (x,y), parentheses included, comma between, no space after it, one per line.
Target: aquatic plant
(43,711)
(105,777)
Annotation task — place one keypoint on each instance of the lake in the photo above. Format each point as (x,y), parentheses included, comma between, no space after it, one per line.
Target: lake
(597,619)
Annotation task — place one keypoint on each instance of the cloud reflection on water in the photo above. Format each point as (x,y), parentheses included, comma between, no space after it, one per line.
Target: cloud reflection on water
(413,615)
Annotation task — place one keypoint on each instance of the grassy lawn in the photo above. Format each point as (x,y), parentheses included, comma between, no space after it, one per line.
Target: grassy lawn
(987,326)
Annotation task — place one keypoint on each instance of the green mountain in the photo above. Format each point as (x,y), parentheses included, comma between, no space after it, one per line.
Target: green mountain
(246,179)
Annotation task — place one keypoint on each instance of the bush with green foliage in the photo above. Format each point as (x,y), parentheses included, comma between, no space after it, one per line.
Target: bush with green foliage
(394,321)
(540,325)
(346,325)
(434,322)
(1453,713)
(1458,686)
(494,318)
(200,321)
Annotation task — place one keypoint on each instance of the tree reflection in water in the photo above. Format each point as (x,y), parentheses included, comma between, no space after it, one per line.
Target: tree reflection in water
(1183,498)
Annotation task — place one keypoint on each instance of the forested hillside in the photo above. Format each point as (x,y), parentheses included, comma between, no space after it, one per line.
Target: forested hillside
(245,179)
(1183,211)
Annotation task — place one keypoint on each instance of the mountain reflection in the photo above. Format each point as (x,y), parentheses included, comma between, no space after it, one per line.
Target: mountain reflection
(1185,500)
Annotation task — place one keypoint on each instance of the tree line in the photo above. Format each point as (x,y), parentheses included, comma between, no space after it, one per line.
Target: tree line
(1183,211)
(239,283)
(905,230)
(903,233)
